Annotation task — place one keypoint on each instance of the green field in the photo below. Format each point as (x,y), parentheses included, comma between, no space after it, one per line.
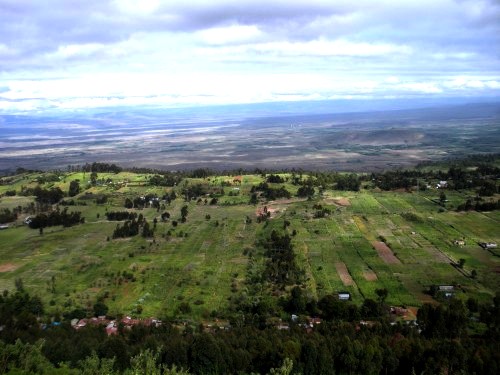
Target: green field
(204,262)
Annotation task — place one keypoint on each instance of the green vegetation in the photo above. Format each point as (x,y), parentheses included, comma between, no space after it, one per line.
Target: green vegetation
(251,250)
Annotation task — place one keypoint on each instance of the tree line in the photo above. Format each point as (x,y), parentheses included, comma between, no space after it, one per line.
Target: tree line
(441,343)
(56,217)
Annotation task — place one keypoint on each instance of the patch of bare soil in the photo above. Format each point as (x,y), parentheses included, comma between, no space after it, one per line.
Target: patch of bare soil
(344,274)
(272,211)
(344,202)
(8,267)
(287,201)
(369,275)
(385,252)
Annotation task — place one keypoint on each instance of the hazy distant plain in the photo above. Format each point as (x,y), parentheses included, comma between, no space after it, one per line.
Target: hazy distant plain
(225,138)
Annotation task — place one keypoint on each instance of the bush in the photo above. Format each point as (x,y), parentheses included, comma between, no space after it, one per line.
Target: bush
(184,308)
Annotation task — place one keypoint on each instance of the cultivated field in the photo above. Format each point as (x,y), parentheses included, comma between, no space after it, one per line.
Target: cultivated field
(366,243)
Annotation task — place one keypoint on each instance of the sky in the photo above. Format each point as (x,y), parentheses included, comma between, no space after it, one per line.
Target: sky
(67,55)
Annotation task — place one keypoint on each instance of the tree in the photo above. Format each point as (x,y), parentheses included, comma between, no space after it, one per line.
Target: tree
(206,356)
(93,178)
(253,198)
(184,212)
(382,294)
(93,365)
(74,188)
(461,263)
(128,203)
(145,363)
(305,191)
(100,308)
(285,369)
(18,283)
(147,231)
(297,302)
(442,197)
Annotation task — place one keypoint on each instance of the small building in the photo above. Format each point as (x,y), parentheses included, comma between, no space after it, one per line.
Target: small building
(442,290)
(81,323)
(446,288)
(459,242)
(2,227)
(442,185)
(313,322)
(488,245)
(344,296)
(111,328)
(399,310)
(283,326)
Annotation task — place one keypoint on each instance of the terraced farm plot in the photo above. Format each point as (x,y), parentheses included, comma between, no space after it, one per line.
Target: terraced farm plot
(204,261)
(385,252)
(369,275)
(344,274)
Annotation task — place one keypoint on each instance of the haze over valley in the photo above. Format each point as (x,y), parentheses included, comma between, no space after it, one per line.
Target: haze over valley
(270,136)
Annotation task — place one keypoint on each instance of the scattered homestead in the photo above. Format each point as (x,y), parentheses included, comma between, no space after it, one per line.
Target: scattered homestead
(113,325)
(348,243)
(488,245)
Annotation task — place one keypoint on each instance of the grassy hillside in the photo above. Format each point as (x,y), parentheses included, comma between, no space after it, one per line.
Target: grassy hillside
(401,241)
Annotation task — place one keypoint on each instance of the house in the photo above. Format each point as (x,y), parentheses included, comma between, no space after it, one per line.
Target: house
(399,310)
(442,185)
(313,321)
(446,288)
(111,328)
(443,290)
(488,245)
(81,323)
(237,180)
(344,296)
(283,326)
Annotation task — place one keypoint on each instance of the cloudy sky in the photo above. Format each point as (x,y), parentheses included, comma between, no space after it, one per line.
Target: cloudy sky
(68,54)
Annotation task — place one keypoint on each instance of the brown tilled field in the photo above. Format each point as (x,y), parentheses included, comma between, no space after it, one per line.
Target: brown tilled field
(344,274)
(369,275)
(385,252)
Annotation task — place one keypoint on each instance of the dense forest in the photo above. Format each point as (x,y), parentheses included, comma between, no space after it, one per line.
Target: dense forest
(454,338)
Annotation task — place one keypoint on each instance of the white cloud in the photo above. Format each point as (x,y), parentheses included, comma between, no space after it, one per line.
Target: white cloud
(76,50)
(421,87)
(150,51)
(135,7)
(230,34)
(323,47)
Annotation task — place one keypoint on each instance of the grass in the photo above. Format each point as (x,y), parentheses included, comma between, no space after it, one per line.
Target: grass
(202,261)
